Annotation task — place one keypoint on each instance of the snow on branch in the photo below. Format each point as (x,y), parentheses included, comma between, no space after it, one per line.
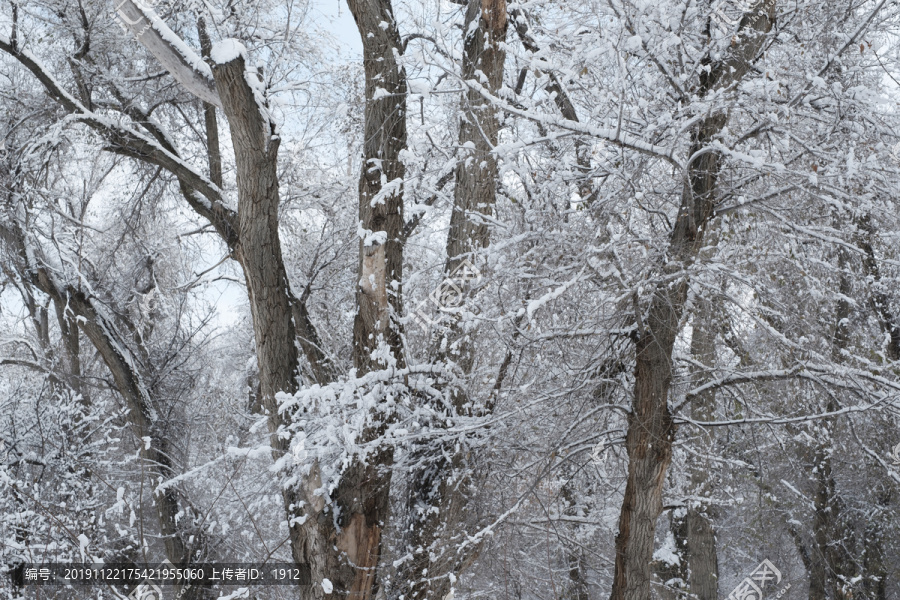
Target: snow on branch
(170,50)
(613,135)
(203,195)
(127,140)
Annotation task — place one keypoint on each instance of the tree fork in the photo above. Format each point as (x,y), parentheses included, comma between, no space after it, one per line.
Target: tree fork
(651,430)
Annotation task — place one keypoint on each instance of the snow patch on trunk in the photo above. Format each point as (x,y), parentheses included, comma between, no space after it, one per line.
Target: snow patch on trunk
(225,51)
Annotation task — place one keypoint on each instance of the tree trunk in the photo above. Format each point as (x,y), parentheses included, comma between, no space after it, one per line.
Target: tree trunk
(875,568)
(832,566)
(879,299)
(125,365)
(258,251)
(345,548)
(476,172)
(378,295)
(700,554)
(651,429)
(476,176)
(577,588)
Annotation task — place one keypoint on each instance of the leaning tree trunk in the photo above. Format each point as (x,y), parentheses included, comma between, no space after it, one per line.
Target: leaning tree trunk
(174,512)
(476,176)
(258,251)
(651,429)
(155,446)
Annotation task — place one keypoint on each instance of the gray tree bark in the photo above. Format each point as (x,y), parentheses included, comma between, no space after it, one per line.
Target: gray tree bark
(651,430)
(251,234)
(346,548)
(115,350)
(257,248)
(700,535)
(475,192)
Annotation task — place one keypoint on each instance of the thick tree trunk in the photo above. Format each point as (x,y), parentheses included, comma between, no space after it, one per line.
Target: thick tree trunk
(476,172)
(258,251)
(651,429)
(694,534)
(345,548)
(378,294)
(476,175)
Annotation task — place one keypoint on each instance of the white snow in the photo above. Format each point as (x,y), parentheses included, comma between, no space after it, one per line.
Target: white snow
(534,305)
(667,553)
(633,43)
(226,51)
(380,93)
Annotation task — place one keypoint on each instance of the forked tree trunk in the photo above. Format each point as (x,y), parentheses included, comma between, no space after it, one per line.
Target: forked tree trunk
(651,429)
(345,548)
(251,233)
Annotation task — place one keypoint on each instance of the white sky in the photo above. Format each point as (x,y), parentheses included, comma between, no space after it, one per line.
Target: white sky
(335,16)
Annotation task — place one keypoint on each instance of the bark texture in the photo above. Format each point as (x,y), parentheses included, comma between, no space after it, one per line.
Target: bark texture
(378,295)
(434,560)
(476,172)
(879,299)
(154,35)
(345,546)
(700,548)
(258,250)
(651,429)
(831,567)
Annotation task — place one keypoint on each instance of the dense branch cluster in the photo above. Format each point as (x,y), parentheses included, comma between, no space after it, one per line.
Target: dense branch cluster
(478,298)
